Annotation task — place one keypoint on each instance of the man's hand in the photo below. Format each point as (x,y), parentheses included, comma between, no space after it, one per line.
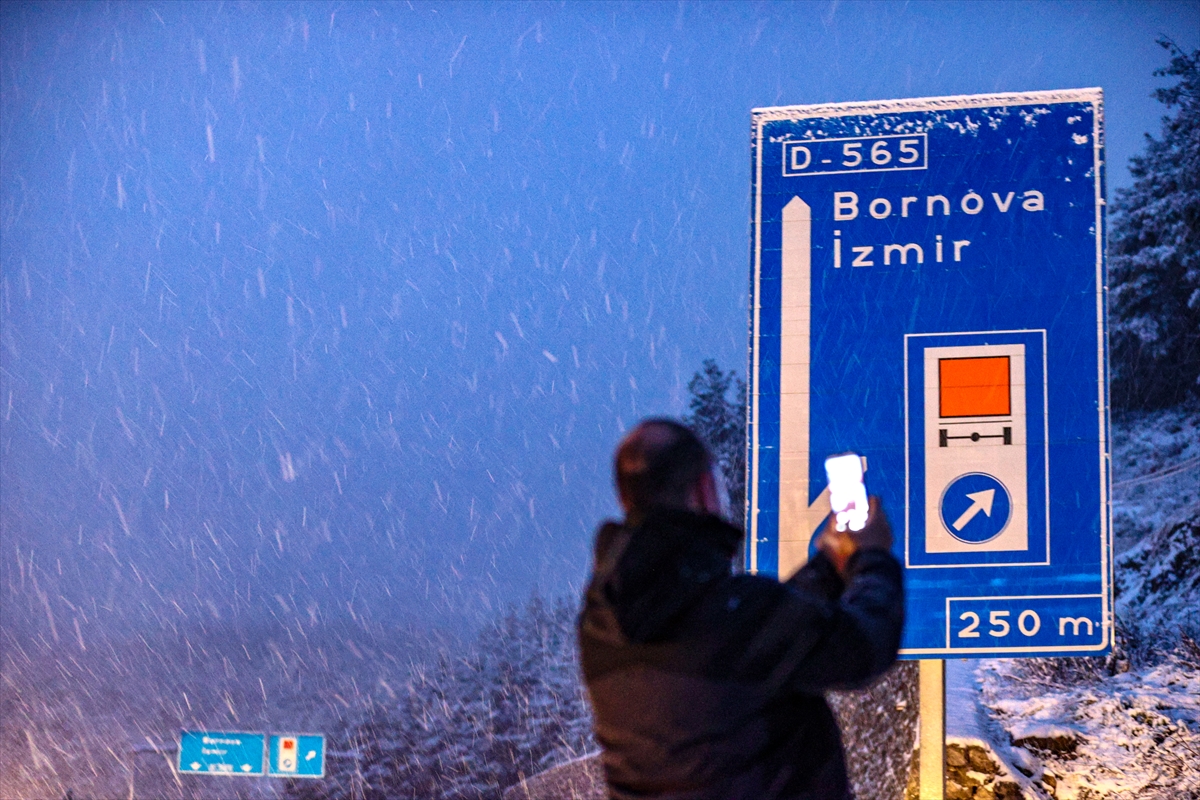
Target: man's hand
(877,533)
(839,546)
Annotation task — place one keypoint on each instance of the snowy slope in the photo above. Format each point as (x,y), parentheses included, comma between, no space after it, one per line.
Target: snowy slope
(1127,726)
(1156,513)
(1100,736)
(1158,580)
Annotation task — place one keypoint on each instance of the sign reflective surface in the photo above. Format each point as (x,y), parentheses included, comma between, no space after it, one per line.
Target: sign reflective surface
(221,753)
(928,291)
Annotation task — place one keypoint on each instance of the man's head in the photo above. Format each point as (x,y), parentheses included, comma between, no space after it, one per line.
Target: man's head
(662,464)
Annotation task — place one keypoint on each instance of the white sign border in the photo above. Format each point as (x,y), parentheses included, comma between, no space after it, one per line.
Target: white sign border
(1045,452)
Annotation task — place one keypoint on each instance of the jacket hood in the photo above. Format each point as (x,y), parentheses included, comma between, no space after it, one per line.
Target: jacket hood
(662,568)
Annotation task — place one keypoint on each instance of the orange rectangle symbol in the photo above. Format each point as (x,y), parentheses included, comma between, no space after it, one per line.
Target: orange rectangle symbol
(974,387)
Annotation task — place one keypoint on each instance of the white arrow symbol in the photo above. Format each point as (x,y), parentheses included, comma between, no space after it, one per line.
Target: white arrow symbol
(246,767)
(311,755)
(982,502)
(196,765)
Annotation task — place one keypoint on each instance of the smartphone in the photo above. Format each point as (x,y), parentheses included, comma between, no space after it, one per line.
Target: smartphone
(847,492)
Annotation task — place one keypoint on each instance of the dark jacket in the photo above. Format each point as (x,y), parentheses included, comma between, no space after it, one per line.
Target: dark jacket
(707,684)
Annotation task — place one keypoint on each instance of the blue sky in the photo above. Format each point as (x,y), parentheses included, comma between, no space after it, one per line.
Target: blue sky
(348,303)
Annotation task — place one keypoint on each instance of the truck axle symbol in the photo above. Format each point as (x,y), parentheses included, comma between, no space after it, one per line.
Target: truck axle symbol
(944,436)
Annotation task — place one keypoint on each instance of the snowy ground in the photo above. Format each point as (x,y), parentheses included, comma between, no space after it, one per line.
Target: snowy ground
(1135,734)
(1129,726)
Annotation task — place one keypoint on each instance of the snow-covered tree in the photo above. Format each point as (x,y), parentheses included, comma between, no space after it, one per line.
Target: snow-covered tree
(473,723)
(721,421)
(1154,254)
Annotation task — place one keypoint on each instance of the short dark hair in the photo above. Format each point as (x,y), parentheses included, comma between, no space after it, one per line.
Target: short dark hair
(657,464)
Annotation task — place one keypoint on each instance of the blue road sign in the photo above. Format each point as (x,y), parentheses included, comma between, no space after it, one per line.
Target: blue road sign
(216,753)
(928,291)
(296,755)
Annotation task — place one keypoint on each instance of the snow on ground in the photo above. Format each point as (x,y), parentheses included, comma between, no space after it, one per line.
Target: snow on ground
(1127,726)
(1135,734)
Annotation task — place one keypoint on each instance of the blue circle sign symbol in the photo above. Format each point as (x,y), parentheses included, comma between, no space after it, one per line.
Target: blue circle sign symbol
(975,508)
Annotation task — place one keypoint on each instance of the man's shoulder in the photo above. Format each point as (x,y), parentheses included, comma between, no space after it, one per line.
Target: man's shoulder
(608,543)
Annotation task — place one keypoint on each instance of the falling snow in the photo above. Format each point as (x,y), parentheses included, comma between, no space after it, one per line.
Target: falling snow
(318,324)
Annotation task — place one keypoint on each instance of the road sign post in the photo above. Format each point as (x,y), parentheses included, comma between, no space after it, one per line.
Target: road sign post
(927,289)
(931,724)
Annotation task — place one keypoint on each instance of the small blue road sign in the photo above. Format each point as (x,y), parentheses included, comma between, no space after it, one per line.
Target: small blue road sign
(975,508)
(296,755)
(927,290)
(216,753)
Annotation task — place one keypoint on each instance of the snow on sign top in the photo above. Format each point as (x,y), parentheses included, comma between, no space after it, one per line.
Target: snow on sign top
(1093,96)
(928,291)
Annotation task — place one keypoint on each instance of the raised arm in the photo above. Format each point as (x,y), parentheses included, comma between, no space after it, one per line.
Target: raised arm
(837,622)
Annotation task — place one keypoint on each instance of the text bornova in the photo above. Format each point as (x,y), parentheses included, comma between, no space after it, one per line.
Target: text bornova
(847,206)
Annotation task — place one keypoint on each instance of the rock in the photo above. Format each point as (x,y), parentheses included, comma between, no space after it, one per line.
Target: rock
(581,779)
(1007,790)
(973,778)
(956,792)
(982,761)
(973,772)
(1026,764)
(962,777)
(1047,738)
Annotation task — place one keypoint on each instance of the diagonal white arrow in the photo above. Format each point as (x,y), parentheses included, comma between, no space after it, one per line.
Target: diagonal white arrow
(982,501)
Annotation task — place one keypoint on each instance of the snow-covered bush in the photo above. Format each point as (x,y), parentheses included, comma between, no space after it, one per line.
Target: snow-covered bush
(879,729)
(1158,580)
(470,724)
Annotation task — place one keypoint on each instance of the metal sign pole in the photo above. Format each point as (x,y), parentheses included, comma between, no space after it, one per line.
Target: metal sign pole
(932,753)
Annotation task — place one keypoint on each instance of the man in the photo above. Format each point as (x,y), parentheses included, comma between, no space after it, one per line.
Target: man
(706,684)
